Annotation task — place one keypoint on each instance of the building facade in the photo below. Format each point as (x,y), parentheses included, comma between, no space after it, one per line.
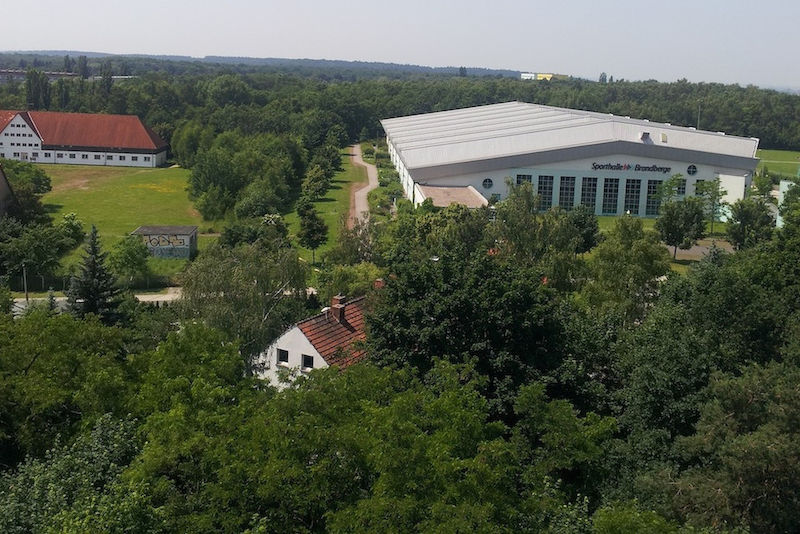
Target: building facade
(79,139)
(613,165)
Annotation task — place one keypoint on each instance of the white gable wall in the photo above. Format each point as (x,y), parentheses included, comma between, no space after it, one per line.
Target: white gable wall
(20,139)
(297,344)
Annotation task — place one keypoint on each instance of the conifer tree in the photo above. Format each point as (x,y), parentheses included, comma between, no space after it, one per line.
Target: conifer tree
(92,290)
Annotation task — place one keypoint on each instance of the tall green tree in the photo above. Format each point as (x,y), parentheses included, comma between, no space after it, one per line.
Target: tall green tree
(681,223)
(37,90)
(588,227)
(711,193)
(744,457)
(625,269)
(128,259)
(750,223)
(83,67)
(313,232)
(93,289)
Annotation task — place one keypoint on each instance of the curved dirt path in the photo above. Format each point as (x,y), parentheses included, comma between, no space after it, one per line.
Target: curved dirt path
(359,208)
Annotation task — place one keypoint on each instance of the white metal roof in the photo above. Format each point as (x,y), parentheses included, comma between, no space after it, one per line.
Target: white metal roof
(518,128)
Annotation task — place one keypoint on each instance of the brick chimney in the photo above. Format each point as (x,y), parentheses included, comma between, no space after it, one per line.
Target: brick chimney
(337,308)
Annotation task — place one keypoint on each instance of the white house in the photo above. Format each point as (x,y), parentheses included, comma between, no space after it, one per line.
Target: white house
(332,337)
(611,164)
(79,139)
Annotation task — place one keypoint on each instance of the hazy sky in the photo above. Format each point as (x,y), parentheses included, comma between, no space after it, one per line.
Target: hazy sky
(703,40)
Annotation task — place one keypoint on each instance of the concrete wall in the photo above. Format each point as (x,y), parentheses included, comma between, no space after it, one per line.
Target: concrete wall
(171,246)
(293,341)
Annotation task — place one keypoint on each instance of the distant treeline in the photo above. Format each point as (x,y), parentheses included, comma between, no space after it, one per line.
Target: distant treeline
(167,93)
(137,65)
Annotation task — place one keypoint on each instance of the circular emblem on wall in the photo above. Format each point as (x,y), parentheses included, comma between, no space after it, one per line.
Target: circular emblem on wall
(487,183)
(692,170)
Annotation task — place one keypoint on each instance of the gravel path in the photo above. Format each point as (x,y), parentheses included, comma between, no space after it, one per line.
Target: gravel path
(359,207)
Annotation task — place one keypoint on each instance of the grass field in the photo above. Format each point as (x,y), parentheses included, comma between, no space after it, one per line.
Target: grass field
(118,199)
(780,161)
(331,208)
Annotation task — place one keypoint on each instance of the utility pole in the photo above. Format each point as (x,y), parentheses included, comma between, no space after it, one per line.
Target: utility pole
(698,112)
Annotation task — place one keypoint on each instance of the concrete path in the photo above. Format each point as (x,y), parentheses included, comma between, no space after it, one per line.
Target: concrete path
(172,294)
(359,207)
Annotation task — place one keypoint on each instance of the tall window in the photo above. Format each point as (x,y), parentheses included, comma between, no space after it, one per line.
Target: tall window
(697,185)
(524,179)
(681,187)
(566,192)
(632,190)
(653,200)
(610,193)
(589,192)
(545,192)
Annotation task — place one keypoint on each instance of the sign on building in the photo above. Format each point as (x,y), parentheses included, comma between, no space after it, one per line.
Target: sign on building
(169,241)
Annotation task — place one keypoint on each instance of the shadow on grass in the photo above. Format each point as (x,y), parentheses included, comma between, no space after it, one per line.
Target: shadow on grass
(52,208)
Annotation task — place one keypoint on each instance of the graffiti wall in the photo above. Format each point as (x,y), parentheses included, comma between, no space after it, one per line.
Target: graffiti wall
(169,246)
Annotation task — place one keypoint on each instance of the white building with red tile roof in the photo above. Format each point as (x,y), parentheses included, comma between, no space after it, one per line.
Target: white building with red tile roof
(333,337)
(79,139)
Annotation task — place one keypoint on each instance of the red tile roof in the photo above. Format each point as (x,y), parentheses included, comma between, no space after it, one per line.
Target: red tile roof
(90,130)
(334,340)
(6,116)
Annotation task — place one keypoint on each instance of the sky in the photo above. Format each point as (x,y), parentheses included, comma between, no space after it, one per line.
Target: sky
(731,41)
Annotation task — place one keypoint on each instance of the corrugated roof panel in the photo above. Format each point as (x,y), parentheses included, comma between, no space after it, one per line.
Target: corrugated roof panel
(517,128)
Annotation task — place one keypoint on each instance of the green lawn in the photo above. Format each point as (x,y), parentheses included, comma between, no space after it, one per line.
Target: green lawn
(118,199)
(780,161)
(331,208)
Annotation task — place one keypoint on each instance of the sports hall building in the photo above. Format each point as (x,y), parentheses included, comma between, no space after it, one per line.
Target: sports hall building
(613,165)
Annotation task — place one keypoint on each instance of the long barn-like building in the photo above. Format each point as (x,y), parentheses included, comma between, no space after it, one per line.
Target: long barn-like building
(79,139)
(611,164)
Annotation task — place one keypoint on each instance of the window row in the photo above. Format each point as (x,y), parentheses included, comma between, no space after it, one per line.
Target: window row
(7,134)
(307,360)
(588,193)
(62,155)
(22,144)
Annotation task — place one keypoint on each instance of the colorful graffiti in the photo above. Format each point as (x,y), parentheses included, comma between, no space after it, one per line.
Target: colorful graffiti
(168,246)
